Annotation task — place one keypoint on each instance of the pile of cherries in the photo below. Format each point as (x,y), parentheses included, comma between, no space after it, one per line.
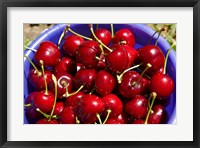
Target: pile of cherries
(99,79)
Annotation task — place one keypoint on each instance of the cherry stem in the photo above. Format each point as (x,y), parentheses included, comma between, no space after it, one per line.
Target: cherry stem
(119,77)
(112,30)
(77,121)
(38,72)
(27,105)
(97,26)
(62,36)
(153,94)
(34,50)
(99,41)
(160,31)
(108,114)
(92,91)
(56,89)
(67,94)
(99,118)
(70,30)
(147,67)
(151,37)
(44,114)
(45,82)
(166,58)
(144,74)
(102,51)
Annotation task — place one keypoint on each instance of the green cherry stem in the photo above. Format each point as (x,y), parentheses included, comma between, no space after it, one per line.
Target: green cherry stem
(160,31)
(44,114)
(67,94)
(108,114)
(97,26)
(56,93)
(70,30)
(112,30)
(45,82)
(77,121)
(152,37)
(153,95)
(38,72)
(99,118)
(99,41)
(34,50)
(166,58)
(62,36)
(27,105)
(119,77)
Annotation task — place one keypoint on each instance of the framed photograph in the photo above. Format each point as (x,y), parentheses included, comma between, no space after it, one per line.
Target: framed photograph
(99,74)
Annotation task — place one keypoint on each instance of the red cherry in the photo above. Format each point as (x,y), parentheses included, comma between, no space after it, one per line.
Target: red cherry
(89,107)
(87,53)
(67,116)
(65,65)
(125,37)
(162,85)
(46,121)
(151,54)
(130,86)
(158,115)
(73,100)
(85,77)
(49,53)
(104,83)
(137,107)
(118,59)
(44,101)
(113,103)
(37,80)
(58,108)
(103,35)
(71,44)
(132,53)
(138,121)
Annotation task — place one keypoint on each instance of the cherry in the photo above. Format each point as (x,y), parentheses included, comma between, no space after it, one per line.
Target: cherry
(73,100)
(58,108)
(138,121)
(65,65)
(90,107)
(158,115)
(64,84)
(132,53)
(44,101)
(67,116)
(113,121)
(87,54)
(151,54)
(104,83)
(162,85)
(137,107)
(113,103)
(130,86)
(48,52)
(71,44)
(118,59)
(124,36)
(30,100)
(85,77)
(37,80)
(103,35)
(46,121)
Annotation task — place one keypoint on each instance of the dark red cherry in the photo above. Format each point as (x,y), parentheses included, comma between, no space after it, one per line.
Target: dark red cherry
(67,116)
(132,53)
(118,59)
(46,121)
(138,121)
(30,100)
(162,85)
(87,53)
(88,108)
(158,115)
(113,121)
(71,44)
(58,108)
(44,101)
(63,80)
(85,77)
(73,100)
(103,35)
(130,86)
(146,85)
(113,103)
(37,80)
(48,52)
(104,83)
(124,36)
(65,65)
(151,54)
(137,107)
